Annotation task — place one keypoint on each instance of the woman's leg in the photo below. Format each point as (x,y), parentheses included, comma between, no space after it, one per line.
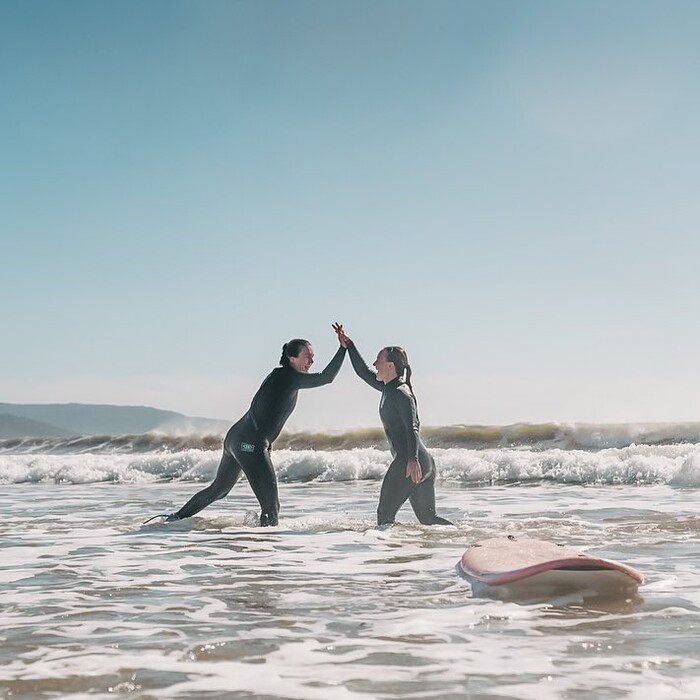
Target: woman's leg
(396,488)
(226,476)
(423,496)
(423,503)
(261,476)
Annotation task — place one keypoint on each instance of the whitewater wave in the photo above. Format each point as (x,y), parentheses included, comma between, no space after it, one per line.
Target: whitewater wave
(534,436)
(674,465)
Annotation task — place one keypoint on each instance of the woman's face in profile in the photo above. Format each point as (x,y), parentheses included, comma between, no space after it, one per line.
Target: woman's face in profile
(386,371)
(303,361)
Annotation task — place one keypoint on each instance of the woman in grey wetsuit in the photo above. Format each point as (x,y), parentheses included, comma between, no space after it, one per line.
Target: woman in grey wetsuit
(411,474)
(248,443)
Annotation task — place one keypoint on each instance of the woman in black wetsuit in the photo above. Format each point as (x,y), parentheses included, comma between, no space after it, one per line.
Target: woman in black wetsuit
(248,443)
(411,474)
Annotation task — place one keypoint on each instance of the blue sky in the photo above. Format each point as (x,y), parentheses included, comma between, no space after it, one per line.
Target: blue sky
(507,189)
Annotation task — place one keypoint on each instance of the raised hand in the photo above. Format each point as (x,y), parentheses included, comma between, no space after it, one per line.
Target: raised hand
(342,337)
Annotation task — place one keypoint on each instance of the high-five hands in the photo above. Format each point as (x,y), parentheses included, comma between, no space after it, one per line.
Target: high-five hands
(342,337)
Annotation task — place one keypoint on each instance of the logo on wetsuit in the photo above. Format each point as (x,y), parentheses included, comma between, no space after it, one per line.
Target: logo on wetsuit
(247,447)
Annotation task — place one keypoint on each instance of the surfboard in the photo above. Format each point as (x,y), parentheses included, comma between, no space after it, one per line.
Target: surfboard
(522,566)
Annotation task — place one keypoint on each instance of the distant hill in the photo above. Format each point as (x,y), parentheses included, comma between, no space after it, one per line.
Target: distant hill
(56,420)
(14,426)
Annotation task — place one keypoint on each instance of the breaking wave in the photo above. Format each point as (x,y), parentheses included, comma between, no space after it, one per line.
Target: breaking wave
(586,454)
(534,436)
(674,465)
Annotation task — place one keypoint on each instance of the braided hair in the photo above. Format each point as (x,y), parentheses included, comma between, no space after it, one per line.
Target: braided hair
(292,349)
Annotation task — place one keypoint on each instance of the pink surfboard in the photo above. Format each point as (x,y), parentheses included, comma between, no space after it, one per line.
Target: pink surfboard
(524,566)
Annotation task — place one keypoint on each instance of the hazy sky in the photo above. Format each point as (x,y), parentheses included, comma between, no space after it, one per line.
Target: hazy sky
(508,189)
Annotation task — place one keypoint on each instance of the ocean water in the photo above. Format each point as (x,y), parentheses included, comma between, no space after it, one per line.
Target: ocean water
(96,604)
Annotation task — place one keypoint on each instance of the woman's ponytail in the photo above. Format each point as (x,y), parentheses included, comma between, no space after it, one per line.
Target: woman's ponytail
(409,372)
(397,355)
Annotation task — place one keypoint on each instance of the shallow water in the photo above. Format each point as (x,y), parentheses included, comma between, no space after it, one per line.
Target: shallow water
(326,606)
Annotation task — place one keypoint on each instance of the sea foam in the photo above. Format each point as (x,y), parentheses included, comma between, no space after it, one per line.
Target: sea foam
(676,465)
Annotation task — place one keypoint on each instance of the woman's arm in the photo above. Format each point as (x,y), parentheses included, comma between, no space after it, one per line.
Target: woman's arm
(408,413)
(310,381)
(362,370)
(406,408)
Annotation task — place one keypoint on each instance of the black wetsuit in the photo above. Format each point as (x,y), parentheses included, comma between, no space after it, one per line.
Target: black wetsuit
(399,416)
(247,444)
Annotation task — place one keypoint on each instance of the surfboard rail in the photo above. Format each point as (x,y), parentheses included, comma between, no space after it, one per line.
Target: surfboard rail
(504,560)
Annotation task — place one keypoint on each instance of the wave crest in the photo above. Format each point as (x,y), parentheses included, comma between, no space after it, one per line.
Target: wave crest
(536,436)
(675,465)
